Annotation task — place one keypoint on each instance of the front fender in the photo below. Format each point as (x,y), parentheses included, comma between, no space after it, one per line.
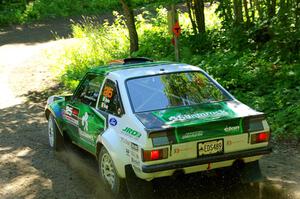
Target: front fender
(54,106)
(112,142)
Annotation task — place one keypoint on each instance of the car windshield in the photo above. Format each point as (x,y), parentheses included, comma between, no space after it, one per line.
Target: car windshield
(172,90)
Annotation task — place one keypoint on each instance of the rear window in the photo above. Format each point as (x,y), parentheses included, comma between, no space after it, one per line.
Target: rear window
(172,90)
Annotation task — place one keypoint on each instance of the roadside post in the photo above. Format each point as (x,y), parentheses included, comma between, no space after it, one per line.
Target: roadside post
(174,29)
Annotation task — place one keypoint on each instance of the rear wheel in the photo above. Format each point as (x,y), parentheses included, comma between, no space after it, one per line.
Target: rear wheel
(109,175)
(251,172)
(56,140)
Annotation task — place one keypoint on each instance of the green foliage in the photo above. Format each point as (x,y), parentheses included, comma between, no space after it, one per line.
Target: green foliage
(18,12)
(154,30)
(258,64)
(261,84)
(95,45)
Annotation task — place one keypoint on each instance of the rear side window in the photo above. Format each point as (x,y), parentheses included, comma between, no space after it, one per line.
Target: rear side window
(88,91)
(110,100)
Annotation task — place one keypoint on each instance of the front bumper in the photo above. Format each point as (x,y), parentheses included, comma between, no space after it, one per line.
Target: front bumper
(205,160)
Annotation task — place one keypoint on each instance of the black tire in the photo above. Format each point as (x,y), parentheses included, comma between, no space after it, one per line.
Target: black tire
(106,165)
(56,140)
(251,173)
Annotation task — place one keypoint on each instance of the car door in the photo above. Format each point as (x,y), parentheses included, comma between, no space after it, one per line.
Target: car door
(85,123)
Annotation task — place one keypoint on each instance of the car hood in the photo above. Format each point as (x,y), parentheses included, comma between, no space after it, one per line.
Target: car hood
(195,115)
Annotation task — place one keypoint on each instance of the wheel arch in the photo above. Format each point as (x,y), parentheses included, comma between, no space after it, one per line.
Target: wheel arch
(109,140)
(47,114)
(98,149)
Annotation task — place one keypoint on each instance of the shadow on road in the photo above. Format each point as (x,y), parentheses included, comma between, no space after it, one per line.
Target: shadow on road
(35,33)
(28,168)
(195,186)
(192,186)
(44,31)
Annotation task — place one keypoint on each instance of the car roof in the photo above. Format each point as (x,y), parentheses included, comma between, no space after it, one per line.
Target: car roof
(141,69)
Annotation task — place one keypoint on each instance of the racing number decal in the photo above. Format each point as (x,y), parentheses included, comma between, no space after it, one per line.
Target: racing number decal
(71,115)
(108,92)
(107,95)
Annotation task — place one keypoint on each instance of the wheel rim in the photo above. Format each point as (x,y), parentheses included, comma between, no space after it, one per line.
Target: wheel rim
(107,170)
(51,132)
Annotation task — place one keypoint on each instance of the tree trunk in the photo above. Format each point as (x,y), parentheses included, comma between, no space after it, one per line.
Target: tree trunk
(258,8)
(246,11)
(229,10)
(225,6)
(297,14)
(189,6)
(176,40)
(199,13)
(252,10)
(273,8)
(238,11)
(130,23)
(282,11)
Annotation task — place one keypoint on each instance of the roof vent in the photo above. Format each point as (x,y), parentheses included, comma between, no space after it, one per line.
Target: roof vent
(135,60)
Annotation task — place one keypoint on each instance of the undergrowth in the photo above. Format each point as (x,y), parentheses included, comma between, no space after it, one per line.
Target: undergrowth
(20,11)
(264,75)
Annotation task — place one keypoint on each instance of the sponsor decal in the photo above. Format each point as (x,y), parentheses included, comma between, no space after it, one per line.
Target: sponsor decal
(86,137)
(194,134)
(208,130)
(219,113)
(105,102)
(70,114)
(113,121)
(180,150)
(134,147)
(230,142)
(127,152)
(84,122)
(176,150)
(134,155)
(232,128)
(131,133)
(57,110)
(126,142)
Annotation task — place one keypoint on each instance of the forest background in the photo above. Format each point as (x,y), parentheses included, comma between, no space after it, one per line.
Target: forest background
(252,47)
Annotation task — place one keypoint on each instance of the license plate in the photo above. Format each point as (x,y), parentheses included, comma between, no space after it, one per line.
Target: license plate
(210,147)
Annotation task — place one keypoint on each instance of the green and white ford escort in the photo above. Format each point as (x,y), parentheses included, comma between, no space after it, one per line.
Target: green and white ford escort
(155,119)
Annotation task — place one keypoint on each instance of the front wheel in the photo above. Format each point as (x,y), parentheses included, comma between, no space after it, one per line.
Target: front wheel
(109,175)
(56,140)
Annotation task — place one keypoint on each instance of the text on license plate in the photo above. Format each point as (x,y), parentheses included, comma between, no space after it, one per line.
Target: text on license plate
(210,147)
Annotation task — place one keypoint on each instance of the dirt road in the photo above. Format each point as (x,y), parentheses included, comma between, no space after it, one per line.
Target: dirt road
(28,169)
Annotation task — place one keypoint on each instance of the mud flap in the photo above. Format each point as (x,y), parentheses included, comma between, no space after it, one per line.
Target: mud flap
(251,173)
(138,188)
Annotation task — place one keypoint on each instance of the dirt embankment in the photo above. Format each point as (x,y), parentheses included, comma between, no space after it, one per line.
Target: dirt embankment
(28,169)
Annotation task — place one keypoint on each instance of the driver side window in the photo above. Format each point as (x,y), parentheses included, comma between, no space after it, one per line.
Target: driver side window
(89,90)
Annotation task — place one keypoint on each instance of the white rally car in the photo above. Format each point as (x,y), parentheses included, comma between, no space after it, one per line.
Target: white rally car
(154,119)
